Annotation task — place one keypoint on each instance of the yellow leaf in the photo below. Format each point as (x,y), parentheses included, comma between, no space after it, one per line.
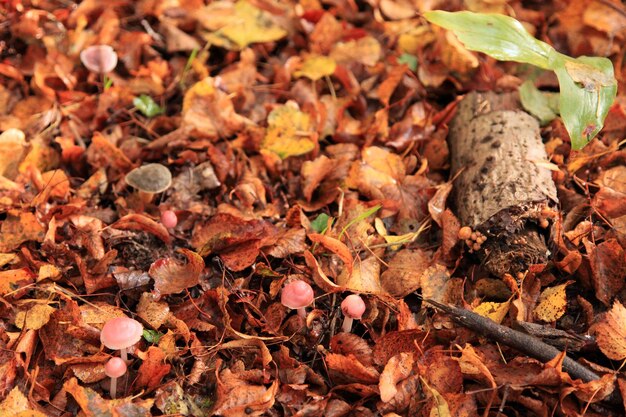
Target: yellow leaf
(48,271)
(365,277)
(14,403)
(365,50)
(289,132)
(395,241)
(34,318)
(316,67)
(552,303)
(494,311)
(238,26)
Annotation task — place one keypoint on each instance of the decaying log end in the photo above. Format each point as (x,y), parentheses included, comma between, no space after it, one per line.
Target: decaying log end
(504,184)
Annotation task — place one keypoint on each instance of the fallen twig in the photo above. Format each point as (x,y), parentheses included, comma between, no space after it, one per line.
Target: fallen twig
(522,342)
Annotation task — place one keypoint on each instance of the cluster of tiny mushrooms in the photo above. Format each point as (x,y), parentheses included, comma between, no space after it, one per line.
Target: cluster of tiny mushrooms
(298,294)
(120,333)
(474,239)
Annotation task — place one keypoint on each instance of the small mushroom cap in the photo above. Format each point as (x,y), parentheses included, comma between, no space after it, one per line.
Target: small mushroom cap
(169,219)
(115,367)
(353,306)
(99,58)
(120,333)
(150,178)
(297,294)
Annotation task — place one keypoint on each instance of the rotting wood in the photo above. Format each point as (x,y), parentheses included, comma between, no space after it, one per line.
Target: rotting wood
(503,187)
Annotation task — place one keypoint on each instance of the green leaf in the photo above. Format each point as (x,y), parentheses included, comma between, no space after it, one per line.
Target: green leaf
(320,223)
(498,36)
(409,60)
(544,106)
(588,86)
(147,106)
(152,336)
(588,89)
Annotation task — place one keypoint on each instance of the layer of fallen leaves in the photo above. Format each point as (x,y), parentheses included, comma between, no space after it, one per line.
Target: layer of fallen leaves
(306,140)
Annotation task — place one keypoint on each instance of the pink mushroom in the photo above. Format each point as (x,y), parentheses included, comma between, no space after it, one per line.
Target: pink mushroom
(114,369)
(121,333)
(352,307)
(297,295)
(99,58)
(169,219)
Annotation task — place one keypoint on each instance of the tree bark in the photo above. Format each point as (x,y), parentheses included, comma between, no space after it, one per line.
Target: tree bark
(501,187)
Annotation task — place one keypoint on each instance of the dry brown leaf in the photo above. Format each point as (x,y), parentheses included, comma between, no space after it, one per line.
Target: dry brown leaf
(347,368)
(608,266)
(171,277)
(335,246)
(19,227)
(153,312)
(93,405)
(364,278)
(152,369)
(237,396)
(404,272)
(610,332)
(397,369)
(210,111)
(472,364)
(351,344)
(434,283)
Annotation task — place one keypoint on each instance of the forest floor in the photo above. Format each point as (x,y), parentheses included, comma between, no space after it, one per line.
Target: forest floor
(293,141)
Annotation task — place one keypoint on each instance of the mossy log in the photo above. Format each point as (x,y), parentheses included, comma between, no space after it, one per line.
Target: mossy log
(502,188)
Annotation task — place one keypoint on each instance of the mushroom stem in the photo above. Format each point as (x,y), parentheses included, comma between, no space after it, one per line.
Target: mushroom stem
(113,389)
(346,327)
(302,312)
(123,354)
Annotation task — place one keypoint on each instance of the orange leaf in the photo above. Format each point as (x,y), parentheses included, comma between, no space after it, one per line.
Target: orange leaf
(335,246)
(19,227)
(144,224)
(171,277)
(349,369)
(152,369)
(397,369)
(610,332)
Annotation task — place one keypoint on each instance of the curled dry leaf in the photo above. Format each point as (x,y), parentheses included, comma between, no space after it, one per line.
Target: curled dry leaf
(335,246)
(152,370)
(238,395)
(142,223)
(171,277)
(610,332)
(398,368)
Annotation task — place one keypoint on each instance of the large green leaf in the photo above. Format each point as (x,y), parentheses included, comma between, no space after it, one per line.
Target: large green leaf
(498,36)
(544,106)
(588,85)
(588,89)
